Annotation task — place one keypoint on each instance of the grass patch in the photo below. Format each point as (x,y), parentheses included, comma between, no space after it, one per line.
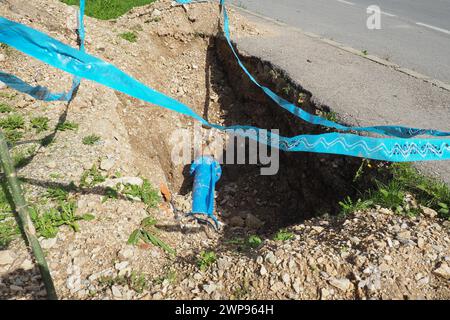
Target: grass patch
(12,122)
(170,276)
(67,125)
(206,259)
(136,281)
(252,242)
(283,235)
(23,157)
(91,139)
(40,124)
(403,179)
(145,192)
(109,9)
(48,222)
(91,177)
(8,226)
(129,36)
(5,108)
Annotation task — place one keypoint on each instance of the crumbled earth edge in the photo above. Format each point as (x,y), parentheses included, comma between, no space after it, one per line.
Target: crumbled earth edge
(367,255)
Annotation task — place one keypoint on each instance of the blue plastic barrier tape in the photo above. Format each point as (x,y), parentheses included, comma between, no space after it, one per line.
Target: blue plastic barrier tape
(207,172)
(395,131)
(83,65)
(37,92)
(43,93)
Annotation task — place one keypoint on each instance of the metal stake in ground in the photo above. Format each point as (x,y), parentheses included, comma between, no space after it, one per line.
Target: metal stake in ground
(23,213)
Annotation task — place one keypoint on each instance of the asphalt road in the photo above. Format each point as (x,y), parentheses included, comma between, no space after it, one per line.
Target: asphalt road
(414,33)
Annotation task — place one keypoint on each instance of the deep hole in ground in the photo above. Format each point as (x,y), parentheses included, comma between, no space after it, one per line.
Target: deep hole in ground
(306,184)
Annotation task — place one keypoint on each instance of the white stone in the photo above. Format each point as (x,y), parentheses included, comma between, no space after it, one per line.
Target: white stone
(121,265)
(48,243)
(270,257)
(116,292)
(342,284)
(27,264)
(263,271)
(286,278)
(209,288)
(107,164)
(443,271)
(6,257)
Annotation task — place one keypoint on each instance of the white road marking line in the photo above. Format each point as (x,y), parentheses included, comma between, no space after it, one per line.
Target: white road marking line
(346,2)
(433,27)
(388,14)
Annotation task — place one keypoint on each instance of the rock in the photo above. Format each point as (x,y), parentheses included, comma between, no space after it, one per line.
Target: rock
(270,257)
(277,286)
(51,165)
(259,260)
(107,164)
(443,271)
(135,181)
(223,264)
(421,243)
(6,257)
(2,57)
(27,265)
(253,222)
(404,236)
(263,271)
(48,243)
(297,286)
(116,292)
(317,229)
(2,85)
(324,294)
(428,212)
(286,278)
(342,283)
(197,276)
(121,265)
(155,14)
(15,288)
(73,283)
(237,221)
(209,288)
(126,253)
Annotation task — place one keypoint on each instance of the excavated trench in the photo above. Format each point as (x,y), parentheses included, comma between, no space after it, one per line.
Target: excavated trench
(306,184)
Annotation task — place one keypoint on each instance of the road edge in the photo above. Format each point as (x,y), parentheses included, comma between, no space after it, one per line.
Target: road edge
(435,82)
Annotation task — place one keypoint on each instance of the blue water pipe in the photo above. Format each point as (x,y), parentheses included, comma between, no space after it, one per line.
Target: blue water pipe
(207,172)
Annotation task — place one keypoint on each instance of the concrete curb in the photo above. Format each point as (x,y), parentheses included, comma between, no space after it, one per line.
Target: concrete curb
(409,72)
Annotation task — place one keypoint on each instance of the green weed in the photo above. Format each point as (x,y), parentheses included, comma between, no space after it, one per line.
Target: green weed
(108,9)
(91,177)
(283,235)
(5,108)
(145,192)
(40,124)
(147,233)
(206,259)
(91,139)
(67,125)
(129,36)
(349,206)
(12,122)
